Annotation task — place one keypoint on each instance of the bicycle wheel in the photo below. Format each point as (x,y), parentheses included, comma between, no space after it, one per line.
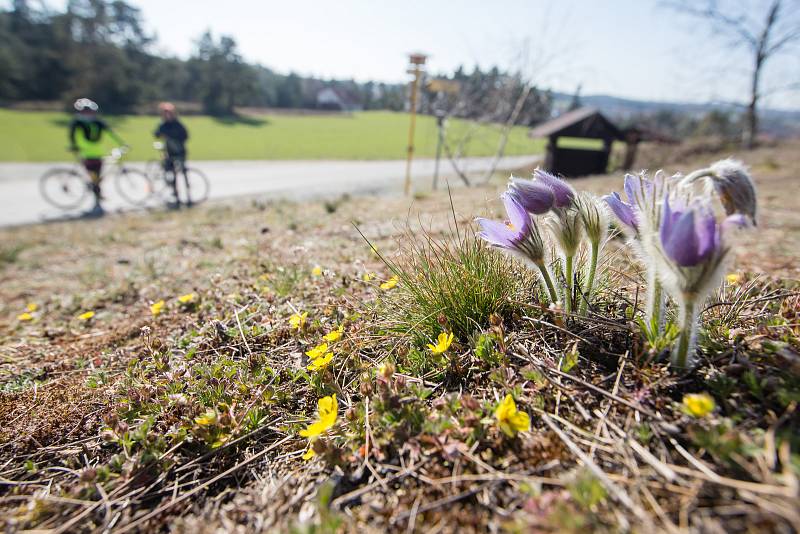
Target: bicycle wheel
(193,186)
(133,185)
(64,188)
(154,168)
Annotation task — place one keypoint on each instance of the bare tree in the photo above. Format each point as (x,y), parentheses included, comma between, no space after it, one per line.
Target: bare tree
(766,36)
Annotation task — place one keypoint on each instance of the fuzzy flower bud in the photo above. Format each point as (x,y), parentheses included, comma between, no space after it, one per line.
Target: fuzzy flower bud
(567,228)
(733,185)
(594,217)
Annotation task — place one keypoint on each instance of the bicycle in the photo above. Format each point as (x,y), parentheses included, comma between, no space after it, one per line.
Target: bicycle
(67,188)
(192,184)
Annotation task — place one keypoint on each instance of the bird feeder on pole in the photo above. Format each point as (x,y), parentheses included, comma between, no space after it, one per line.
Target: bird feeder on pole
(416,68)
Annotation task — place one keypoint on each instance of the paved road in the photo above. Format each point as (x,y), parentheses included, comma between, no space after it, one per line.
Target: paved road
(21,202)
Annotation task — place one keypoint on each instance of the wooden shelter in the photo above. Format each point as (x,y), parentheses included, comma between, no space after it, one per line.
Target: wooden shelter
(572,157)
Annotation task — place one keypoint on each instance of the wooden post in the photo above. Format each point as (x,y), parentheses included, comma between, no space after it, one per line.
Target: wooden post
(550,153)
(439,142)
(632,139)
(417,61)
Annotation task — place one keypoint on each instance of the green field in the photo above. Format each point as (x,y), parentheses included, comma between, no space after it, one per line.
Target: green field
(42,136)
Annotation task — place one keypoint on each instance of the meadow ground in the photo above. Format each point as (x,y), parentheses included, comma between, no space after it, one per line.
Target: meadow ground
(370,135)
(188,418)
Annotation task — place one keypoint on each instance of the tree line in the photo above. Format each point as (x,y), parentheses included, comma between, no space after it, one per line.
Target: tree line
(102,50)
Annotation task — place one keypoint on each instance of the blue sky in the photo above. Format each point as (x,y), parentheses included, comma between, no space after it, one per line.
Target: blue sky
(628,48)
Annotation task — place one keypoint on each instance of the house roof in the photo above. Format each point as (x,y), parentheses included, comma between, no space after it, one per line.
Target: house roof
(581,122)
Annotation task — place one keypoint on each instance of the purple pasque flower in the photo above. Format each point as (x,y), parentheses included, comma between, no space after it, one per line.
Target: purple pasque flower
(563,193)
(534,196)
(625,212)
(689,234)
(638,189)
(519,235)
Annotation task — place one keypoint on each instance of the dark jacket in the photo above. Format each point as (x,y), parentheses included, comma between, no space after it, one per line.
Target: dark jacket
(174,135)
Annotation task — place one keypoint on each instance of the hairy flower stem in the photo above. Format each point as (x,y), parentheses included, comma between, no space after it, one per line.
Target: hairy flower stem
(696,175)
(687,340)
(568,274)
(548,281)
(590,281)
(655,301)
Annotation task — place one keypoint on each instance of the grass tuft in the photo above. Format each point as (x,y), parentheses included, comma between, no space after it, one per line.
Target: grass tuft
(454,283)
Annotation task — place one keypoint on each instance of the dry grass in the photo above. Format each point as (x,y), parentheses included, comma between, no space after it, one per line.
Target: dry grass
(95,416)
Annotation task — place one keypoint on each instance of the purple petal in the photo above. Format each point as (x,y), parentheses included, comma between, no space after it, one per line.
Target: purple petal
(707,234)
(736,221)
(520,220)
(562,192)
(670,216)
(638,188)
(666,221)
(624,211)
(495,233)
(535,197)
(633,186)
(681,243)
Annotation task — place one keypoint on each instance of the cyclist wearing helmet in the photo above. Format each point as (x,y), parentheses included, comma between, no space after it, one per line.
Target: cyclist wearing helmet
(86,138)
(174,134)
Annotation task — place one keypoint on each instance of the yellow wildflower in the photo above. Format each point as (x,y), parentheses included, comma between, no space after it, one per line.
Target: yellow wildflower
(386,370)
(368,277)
(733,278)
(25,317)
(85,316)
(509,419)
(698,404)
(206,419)
(264,277)
(188,298)
(32,307)
(442,343)
(320,362)
(317,351)
(316,271)
(309,454)
(390,283)
(298,320)
(156,308)
(334,335)
(327,410)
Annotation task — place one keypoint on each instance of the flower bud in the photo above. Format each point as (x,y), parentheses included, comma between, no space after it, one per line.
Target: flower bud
(386,370)
(735,188)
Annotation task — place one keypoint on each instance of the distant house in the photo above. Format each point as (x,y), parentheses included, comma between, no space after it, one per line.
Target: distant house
(333,98)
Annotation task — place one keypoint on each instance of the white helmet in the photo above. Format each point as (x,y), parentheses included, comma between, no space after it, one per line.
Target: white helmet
(83,104)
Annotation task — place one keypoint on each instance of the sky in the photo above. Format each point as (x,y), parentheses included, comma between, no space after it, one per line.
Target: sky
(628,48)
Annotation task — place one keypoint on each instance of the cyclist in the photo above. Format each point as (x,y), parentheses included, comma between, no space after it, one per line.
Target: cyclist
(174,134)
(86,139)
